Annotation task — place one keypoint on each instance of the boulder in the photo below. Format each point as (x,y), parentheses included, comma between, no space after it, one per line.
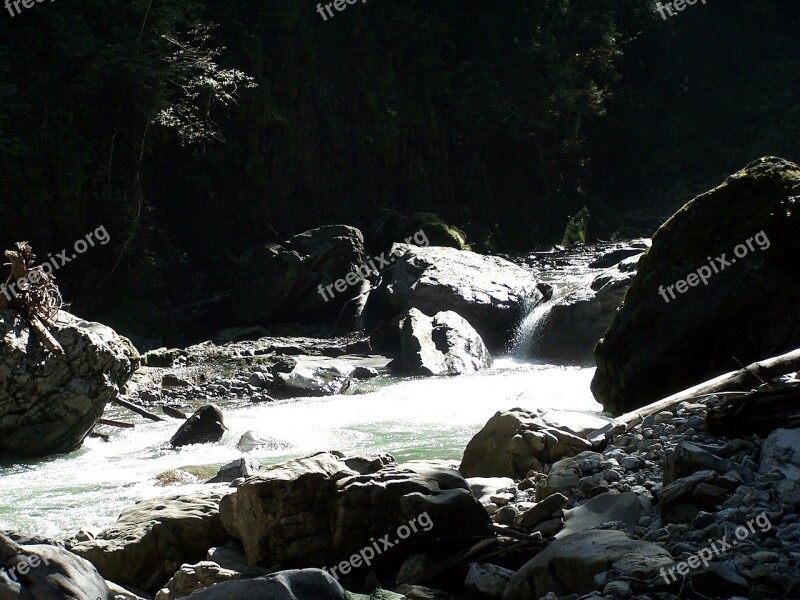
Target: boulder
(515,442)
(48,403)
(483,488)
(718,282)
(191,578)
(781,453)
(281,283)
(569,565)
(312,376)
(491,293)
(323,509)
(44,572)
(151,540)
(488,581)
(443,345)
(543,510)
(680,501)
(565,474)
(241,467)
(626,507)
(205,426)
(307,584)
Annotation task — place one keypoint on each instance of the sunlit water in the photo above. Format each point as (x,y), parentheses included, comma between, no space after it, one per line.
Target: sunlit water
(411,419)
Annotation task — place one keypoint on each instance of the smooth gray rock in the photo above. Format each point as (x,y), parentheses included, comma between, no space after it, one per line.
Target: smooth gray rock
(443,345)
(43,572)
(152,539)
(542,511)
(241,467)
(606,508)
(48,403)
(781,453)
(487,580)
(312,376)
(569,565)
(489,292)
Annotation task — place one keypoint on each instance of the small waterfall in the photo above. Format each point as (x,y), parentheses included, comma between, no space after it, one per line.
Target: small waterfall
(528,335)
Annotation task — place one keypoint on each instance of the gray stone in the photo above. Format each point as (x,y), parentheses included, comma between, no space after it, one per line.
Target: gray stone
(308,584)
(569,565)
(195,577)
(241,467)
(489,292)
(627,507)
(151,540)
(781,453)
(487,580)
(542,510)
(49,403)
(312,376)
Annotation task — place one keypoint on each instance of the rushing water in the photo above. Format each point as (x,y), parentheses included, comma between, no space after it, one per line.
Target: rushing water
(411,419)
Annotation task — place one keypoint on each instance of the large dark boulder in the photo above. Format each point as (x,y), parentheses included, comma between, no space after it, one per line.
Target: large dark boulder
(205,426)
(747,308)
(280,283)
(49,403)
(491,293)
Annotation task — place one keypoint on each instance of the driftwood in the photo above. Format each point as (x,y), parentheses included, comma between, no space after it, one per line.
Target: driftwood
(743,379)
(32,293)
(137,409)
(119,424)
(757,412)
(173,412)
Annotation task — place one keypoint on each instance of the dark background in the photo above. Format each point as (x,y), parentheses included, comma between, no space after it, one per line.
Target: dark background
(504,118)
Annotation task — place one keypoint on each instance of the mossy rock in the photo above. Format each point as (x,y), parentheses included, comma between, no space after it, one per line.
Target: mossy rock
(675,328)
(437,231)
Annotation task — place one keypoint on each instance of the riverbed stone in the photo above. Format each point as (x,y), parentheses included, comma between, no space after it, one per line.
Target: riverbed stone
(445,344)
(307,584)
(322,509)
(191,578)
(569,565)
(488,580)
(49,403)
(44,572)
(152,539)
(781,453)
(491,293)
(312,376)
(515,442)
(711,328)
(627,507)
(205,426)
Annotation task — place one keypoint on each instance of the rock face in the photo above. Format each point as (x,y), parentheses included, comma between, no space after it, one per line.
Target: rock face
(43,572)
(738,246)
(280,283)
(311,376)
(515,442)
(206,425)
(569,565)
(49,404)
(195,577)
(489,292)
(152,539)
(443,345)
(320,510)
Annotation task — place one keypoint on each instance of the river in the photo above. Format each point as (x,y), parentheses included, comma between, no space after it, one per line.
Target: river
(408,418)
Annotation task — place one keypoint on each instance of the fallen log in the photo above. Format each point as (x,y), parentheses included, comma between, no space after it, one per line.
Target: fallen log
(743,379)
(173,412)
(138,409)
(757,412)
(119,424)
